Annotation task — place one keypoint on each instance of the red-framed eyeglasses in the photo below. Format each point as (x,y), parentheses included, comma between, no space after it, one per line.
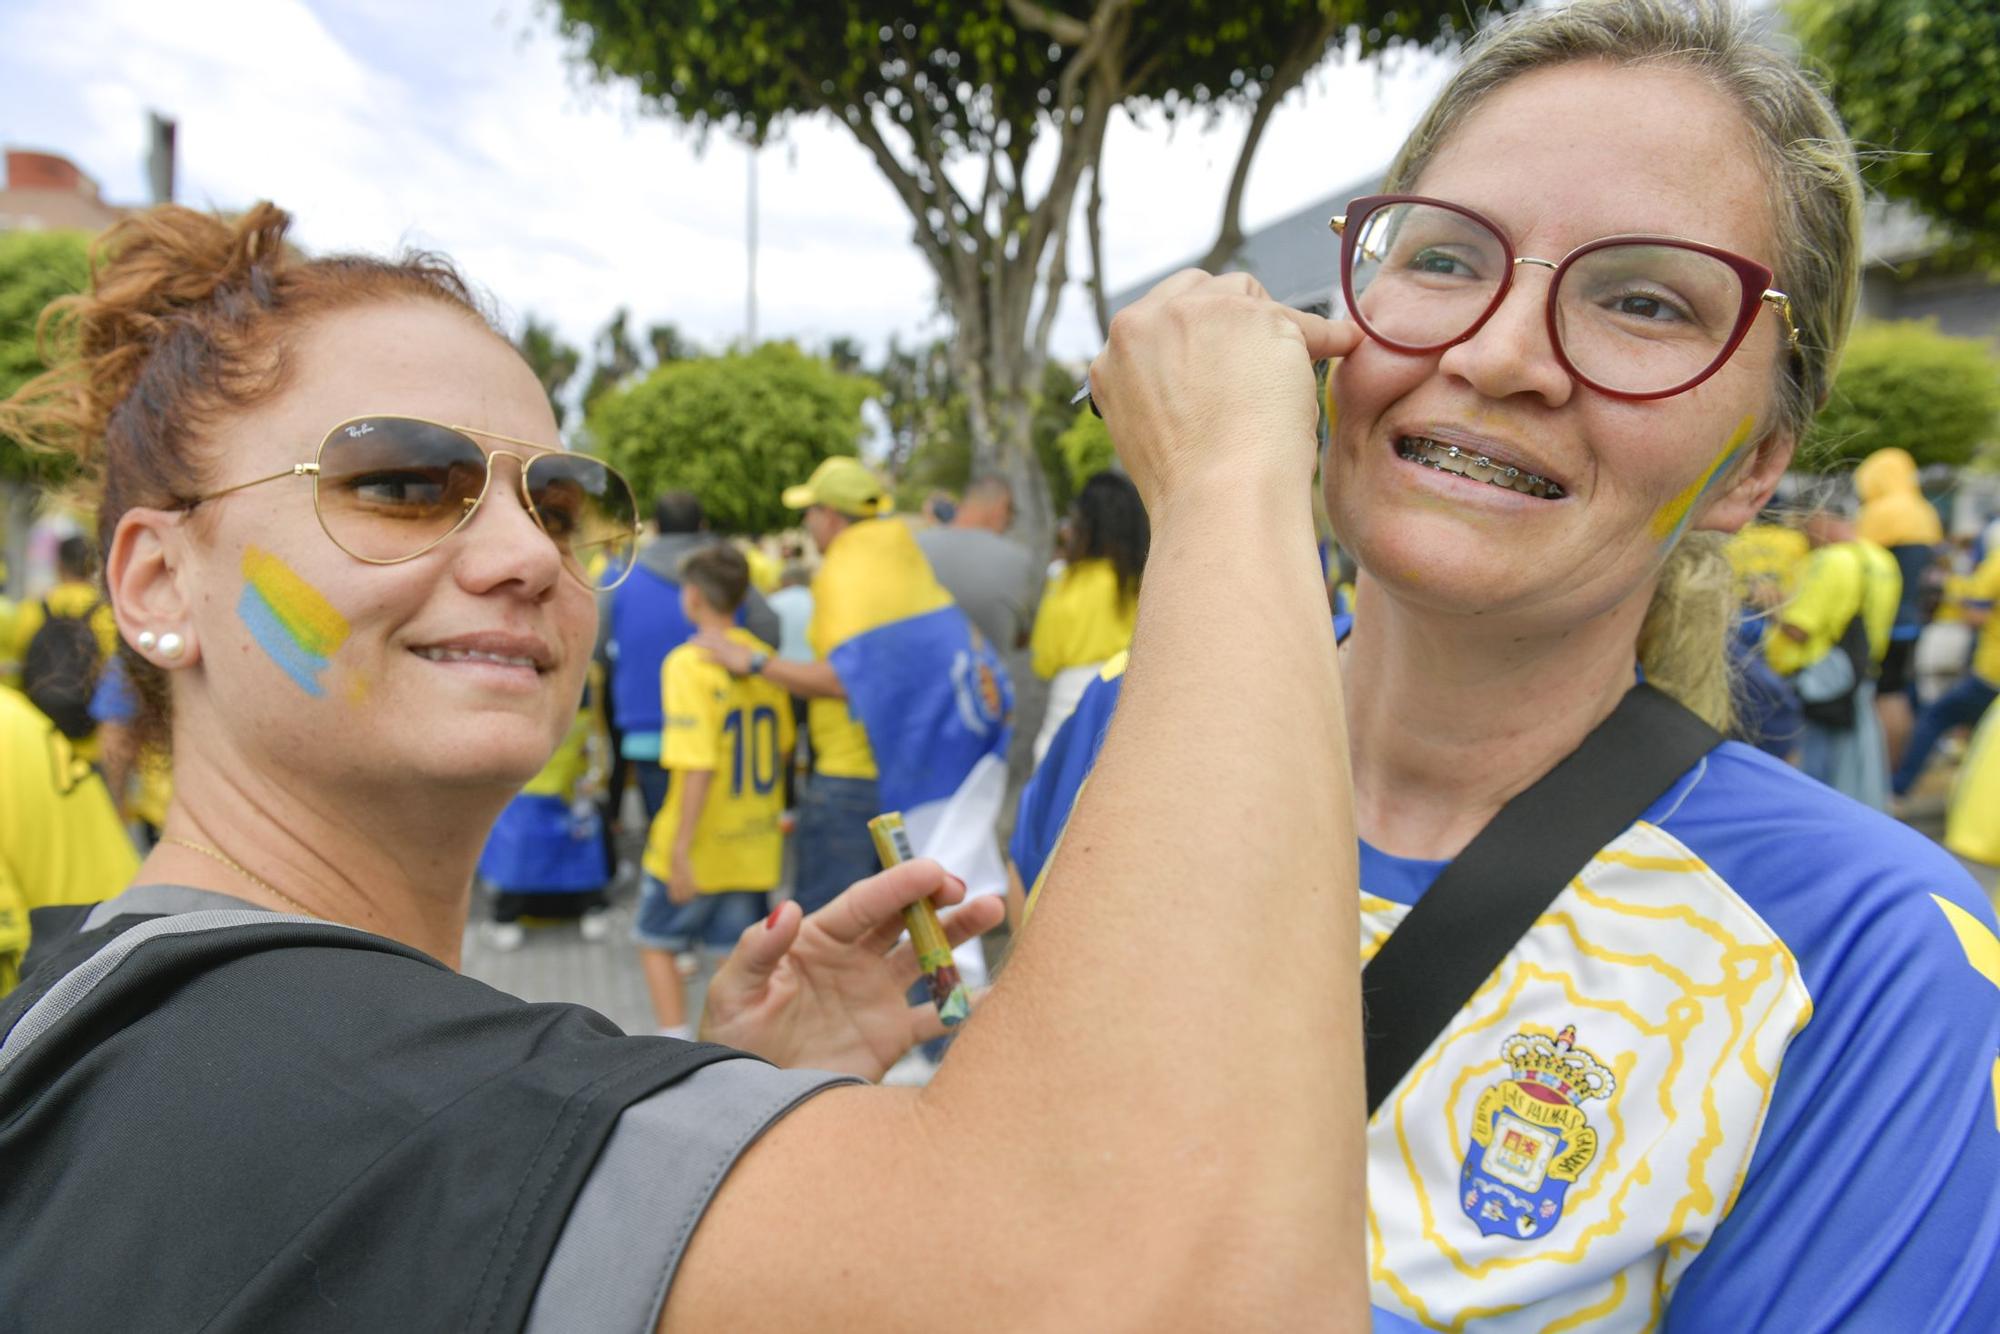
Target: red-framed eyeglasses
(1633,317)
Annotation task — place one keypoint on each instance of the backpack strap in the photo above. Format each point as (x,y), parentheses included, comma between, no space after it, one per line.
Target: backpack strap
(1468,921)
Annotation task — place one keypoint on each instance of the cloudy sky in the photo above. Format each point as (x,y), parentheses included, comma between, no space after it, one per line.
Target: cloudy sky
(461,125)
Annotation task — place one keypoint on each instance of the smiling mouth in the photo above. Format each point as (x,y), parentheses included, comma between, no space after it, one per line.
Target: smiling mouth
(475,655)
(1476,467)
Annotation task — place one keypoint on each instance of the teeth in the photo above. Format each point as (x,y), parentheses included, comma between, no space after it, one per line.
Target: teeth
(472,655)
(1478,468)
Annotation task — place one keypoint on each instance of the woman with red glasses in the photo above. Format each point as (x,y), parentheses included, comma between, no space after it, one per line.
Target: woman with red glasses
(355,574)
(1736,1067)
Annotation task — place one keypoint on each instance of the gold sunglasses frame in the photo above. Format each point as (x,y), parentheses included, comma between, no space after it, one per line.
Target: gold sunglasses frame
(312,470)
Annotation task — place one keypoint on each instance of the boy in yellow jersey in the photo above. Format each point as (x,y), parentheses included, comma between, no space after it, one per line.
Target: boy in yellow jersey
(715,846)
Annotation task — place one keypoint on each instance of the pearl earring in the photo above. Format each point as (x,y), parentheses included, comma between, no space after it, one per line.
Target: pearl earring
(147,639)
(171,646)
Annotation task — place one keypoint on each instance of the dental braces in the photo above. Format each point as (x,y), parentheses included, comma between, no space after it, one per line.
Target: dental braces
(1510,472)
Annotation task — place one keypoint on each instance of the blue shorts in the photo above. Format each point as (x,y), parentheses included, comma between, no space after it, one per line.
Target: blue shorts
(831,849)
(714,920)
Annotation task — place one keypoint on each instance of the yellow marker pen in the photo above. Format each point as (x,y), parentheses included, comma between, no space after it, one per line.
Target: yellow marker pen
(892,845)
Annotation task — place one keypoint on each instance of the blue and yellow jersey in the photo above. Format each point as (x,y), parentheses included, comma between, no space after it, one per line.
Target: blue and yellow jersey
(1054,786)
(1741,1074)
(740,729)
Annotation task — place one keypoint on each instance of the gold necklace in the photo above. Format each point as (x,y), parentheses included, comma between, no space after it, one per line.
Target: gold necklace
(241,870)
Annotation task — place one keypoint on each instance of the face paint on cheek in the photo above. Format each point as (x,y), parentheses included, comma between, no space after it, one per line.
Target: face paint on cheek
(1672,517)
(290,619)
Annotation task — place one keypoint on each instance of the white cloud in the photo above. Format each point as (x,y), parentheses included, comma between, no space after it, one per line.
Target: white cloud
(460,125)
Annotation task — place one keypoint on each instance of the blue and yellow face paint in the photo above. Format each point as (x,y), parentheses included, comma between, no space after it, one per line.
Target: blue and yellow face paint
(290,619)
(1671,518)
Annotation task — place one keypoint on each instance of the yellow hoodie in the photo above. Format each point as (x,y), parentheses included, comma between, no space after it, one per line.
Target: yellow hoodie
(1894,512)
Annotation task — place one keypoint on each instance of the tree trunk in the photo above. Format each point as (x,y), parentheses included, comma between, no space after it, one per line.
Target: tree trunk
(1000,380)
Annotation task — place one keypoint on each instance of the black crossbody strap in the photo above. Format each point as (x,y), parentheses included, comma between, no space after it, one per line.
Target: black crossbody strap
(1484,902)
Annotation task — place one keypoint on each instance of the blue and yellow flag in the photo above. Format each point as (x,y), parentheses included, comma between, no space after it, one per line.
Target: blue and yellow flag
(926,687)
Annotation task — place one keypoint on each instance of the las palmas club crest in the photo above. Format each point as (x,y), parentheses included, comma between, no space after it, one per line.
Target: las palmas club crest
(1530,1138)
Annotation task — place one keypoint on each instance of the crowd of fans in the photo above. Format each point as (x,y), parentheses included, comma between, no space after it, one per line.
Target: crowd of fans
(1539,760)
(1863,648)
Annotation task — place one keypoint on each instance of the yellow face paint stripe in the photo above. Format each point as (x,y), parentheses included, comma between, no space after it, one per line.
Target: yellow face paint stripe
(306,615)
(1668,521)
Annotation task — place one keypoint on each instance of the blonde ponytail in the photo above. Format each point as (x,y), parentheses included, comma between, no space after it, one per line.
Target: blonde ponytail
(1688,621)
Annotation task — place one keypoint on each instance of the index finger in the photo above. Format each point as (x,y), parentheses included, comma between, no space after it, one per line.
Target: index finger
(1325,338)
(871,906)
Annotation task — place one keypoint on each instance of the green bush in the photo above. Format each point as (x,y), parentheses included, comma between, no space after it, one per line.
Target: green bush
(35,269)
(736,430)
(1086,448)
(1911,386)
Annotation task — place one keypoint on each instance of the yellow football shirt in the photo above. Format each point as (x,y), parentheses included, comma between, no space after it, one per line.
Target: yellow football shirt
(1983,589)
(739,729)
(1082,619)
(1766,559)
(1841,581)
(60,840)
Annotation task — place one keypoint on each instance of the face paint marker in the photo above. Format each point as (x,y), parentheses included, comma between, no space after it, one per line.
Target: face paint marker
(290,619)
(892,845)
(1673,516)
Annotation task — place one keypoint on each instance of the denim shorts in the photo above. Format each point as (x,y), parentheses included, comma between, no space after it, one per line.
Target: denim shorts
(831,848)
(713,920)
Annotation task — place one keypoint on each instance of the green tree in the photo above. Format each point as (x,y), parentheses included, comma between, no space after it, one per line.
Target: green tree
(1908,385)
(1054,415)
(951,97)
(553,361)
(614,357)
(1919,77)
(930,430)
(844,352)
(670,344)
(35,269)
(735,429)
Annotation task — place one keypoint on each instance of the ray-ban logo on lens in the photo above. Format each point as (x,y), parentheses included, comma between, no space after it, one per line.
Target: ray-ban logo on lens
(362,429)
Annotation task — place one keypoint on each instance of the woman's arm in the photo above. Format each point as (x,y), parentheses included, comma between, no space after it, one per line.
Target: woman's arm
(1155,1121)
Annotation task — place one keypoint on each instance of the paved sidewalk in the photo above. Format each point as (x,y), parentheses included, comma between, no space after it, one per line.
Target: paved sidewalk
(557,964)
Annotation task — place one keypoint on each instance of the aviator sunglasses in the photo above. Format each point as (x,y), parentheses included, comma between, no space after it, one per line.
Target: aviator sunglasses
(387,489)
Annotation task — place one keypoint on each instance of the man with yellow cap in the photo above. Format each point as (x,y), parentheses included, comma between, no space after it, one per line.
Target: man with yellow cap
(908,705)
(832,843)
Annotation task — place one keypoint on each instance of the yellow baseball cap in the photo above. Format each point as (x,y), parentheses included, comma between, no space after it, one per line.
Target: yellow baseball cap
(844,484)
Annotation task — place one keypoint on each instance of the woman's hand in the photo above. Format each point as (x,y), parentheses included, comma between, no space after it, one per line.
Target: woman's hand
(829,991)
(1208,376)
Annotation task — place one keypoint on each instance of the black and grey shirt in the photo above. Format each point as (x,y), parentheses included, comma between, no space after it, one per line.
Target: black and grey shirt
(217,1117)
